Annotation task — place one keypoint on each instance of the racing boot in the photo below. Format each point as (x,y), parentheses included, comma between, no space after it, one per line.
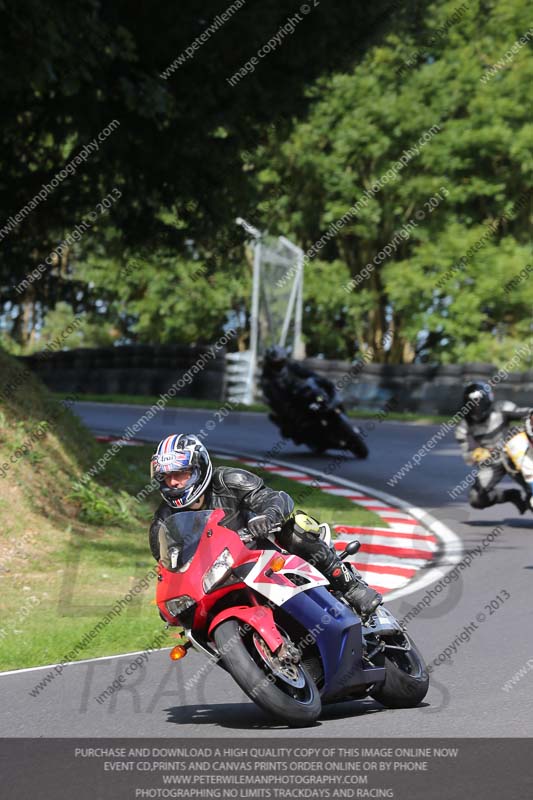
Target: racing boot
(513,496)
(516,497)
(359,594)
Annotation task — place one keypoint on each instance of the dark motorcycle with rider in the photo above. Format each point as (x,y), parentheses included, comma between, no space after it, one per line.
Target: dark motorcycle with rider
(306,407)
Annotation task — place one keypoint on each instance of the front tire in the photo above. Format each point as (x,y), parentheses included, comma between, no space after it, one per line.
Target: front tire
(357,446)
(406,680)
(350,439)
(298,707)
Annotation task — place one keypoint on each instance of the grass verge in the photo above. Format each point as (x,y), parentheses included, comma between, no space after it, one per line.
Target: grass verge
(173,402)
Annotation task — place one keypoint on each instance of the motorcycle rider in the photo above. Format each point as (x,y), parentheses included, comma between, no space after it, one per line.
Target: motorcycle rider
(187,481)
(481,434)
(285,386)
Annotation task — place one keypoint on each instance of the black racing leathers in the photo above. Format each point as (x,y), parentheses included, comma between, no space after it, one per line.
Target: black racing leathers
(288,394)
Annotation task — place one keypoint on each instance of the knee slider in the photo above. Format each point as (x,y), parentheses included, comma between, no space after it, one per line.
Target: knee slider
(308,545)
(300,528)
(292,539)
(305,532)
(305,524)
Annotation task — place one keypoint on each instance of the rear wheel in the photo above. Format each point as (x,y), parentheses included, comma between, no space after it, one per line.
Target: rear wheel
(283,689)
(406,680)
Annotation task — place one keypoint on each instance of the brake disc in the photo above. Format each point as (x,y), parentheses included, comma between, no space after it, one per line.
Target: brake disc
(281,666)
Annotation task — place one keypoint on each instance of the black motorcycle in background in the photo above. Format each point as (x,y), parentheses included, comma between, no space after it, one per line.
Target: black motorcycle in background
(306,407)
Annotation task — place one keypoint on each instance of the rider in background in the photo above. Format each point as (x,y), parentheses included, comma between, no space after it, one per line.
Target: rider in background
(285,386)
(187,482)
(482,434)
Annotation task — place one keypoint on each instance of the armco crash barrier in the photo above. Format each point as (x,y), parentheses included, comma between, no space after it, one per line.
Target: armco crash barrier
(424,388)
(151,369)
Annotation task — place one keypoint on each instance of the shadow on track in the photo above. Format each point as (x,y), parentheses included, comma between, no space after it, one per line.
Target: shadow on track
(514,522)
(241,716)
(352,709)
(246,716)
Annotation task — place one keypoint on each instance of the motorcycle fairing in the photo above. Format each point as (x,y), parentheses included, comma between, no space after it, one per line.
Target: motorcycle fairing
(210,539)
(337,633)
(276,587)
(336,629)
(259,618)
(516,450)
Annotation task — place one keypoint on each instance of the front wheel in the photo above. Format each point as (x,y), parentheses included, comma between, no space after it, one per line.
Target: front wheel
(357,446)
(406,680)
(351,439)
(286,692)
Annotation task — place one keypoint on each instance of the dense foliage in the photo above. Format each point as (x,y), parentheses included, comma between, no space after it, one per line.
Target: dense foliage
(432,258)
(464,201)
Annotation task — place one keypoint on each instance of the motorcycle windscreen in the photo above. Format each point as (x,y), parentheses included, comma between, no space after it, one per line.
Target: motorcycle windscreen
(180,536)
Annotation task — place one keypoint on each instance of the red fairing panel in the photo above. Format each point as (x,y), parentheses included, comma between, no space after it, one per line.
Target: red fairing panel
(259,618)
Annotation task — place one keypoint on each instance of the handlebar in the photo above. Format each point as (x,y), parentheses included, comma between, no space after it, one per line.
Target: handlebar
(247,537)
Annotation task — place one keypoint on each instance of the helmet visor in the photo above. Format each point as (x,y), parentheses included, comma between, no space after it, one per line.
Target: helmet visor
(480,406)
(179,482)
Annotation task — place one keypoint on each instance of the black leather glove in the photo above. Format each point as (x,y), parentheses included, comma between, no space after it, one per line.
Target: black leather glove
(259,526)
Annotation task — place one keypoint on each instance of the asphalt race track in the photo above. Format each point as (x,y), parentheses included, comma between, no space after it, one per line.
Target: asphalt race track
(466,697)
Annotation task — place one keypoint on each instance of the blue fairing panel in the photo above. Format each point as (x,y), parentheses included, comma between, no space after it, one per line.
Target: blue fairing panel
(337,633)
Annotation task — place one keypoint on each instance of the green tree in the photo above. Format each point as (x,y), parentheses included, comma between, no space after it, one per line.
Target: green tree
(71,69)
(359,125)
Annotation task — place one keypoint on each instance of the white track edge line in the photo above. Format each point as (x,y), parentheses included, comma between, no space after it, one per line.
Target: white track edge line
(83,661)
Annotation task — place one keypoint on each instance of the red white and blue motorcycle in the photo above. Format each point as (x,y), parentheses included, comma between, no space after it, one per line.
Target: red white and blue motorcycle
(268,618)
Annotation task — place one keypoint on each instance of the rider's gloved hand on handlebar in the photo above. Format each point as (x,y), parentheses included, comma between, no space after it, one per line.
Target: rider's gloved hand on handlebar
(259,526)
(480,454)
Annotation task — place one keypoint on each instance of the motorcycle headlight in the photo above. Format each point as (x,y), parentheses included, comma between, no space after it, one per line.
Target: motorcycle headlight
(178,605)
(218,570)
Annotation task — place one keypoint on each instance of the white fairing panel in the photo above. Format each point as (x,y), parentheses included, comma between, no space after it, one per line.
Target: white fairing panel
(278,588)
